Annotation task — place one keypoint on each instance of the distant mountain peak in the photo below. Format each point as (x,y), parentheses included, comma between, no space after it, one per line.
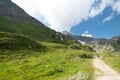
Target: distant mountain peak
(66,33)
(13,12)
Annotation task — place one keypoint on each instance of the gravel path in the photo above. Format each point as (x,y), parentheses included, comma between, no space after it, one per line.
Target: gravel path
(104,72)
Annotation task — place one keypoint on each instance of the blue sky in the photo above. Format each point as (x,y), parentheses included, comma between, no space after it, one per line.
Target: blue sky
(101,18)
(99,29)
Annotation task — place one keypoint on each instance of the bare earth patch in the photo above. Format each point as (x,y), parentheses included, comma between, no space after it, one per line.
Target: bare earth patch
(104,72)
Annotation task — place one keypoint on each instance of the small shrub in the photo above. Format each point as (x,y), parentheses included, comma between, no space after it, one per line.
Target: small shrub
(54,71)
(38,64)
(59,70)
(86,55)
(51,72)
(75,47)
(26,60)
(2,57)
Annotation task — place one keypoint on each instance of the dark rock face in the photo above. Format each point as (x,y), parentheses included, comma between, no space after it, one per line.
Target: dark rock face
(12,11)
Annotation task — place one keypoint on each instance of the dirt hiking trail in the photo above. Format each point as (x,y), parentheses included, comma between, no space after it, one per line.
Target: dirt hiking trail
(103,71)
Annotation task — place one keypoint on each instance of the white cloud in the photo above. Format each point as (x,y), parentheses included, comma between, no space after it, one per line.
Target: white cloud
(95,10)
(60,14)
(86,34)
(107,19)
(116,6)
(63,14)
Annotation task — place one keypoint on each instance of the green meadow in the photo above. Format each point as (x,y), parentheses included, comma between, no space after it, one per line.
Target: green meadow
(43,60)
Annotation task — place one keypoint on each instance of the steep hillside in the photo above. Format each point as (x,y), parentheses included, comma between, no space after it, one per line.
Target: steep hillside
(112,44)
(13,19)
(115,43)
(12,11)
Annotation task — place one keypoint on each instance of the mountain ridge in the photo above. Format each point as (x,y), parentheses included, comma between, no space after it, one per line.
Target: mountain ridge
(12,11)
(15,20)
(100,44)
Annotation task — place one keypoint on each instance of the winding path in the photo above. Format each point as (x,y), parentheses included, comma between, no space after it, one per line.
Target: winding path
(103,71)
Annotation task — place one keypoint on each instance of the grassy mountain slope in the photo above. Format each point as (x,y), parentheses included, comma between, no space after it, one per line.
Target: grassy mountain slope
(13,19)
(13,42)
(35,57)
(36,32)
(44,61)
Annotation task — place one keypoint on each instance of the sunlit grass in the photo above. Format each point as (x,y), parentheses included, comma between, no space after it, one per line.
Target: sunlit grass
(58,63)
